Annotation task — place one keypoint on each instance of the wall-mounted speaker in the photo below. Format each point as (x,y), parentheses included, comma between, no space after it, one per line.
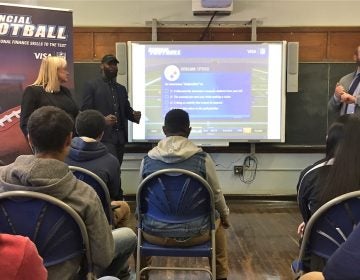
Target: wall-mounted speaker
(121,55)
(216,3)
(292,69)
(208,7)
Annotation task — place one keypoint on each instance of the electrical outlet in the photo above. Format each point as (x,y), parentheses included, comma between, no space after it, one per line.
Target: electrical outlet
(238,170)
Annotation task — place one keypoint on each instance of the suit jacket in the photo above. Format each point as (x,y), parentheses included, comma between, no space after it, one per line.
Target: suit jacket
(35,97)
(337,106)
(97,95)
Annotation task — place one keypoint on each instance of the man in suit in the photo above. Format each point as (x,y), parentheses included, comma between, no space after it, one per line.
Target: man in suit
(110,98)
(345,99)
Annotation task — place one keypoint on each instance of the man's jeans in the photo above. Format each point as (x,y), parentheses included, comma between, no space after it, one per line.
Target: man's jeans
(125,244)
(222,267)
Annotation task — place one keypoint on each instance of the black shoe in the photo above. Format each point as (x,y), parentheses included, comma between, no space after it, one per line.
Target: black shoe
(125,274)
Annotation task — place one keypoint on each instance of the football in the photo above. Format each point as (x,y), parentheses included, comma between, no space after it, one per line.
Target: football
(13,141)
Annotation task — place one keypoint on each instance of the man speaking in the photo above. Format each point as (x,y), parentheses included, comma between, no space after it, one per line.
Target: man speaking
(346,98)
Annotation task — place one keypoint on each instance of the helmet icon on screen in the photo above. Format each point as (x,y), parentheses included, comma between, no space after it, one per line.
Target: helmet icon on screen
(172,73)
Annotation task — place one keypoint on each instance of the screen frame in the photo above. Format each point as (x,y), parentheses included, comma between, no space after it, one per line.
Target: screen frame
(213,142)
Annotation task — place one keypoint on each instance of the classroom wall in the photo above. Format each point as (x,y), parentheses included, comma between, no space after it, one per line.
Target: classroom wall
(272,13)
(277,172)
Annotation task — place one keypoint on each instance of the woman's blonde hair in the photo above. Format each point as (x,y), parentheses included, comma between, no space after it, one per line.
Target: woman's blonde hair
(48,75)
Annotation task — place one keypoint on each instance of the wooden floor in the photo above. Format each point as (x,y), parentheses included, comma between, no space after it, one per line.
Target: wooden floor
(262,242)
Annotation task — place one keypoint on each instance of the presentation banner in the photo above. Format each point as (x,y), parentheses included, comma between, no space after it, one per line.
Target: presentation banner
(27,35)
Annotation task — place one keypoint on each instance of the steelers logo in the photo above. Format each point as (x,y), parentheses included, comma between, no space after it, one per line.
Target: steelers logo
(172,73)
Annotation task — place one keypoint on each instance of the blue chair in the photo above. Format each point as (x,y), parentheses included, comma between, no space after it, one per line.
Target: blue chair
(175,196)
(98,185)
(329,227)
(58,232)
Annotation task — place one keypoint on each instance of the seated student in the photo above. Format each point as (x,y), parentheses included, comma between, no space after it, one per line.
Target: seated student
(88,152)
(343,176)
(177,151)
(312,180)
(343,264)
(49,133)
(312,177)
(19,259)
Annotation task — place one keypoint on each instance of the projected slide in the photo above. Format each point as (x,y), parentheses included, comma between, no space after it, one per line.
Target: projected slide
(227,89)
(206,95)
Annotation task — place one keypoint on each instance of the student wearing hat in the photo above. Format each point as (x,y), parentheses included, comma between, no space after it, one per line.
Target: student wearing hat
(110,98)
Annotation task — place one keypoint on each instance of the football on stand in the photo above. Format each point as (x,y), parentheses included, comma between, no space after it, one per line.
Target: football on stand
(13,141)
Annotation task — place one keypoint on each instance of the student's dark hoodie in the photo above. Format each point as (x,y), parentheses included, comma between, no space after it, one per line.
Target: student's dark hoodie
(93,155)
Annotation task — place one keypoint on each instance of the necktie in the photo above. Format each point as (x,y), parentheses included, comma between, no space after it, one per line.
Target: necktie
(350,108)
(354,84)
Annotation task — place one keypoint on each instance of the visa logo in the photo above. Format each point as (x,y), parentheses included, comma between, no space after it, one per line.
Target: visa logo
(41,55)
(251,51)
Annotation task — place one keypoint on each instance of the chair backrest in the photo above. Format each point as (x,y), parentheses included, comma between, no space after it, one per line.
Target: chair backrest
(58,232)
(175,196)
(98,185)
(331,224)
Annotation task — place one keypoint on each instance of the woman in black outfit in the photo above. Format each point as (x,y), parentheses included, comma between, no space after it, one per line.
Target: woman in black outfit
(48,91)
